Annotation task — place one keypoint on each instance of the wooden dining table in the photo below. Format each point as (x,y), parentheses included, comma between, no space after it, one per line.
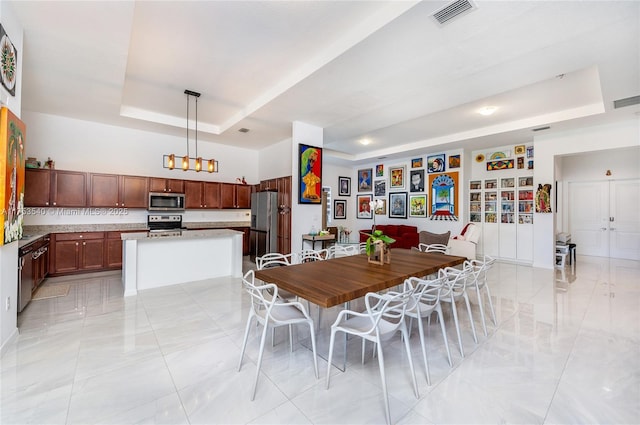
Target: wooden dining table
(340,280)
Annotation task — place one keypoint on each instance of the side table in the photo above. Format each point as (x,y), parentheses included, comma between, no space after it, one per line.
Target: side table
(323,239)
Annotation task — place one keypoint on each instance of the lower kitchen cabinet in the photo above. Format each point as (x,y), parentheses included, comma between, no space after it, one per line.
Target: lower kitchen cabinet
(77,252)
(113,243)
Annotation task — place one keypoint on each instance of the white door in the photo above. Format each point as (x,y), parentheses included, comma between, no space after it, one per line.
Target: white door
(604,218)
(624,225)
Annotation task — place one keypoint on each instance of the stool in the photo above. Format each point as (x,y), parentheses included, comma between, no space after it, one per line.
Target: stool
(562,252)
(572,252)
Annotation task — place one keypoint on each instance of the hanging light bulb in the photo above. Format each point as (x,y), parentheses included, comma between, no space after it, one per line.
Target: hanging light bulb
(210,165)
(185,163)
(199,164)
(172,161)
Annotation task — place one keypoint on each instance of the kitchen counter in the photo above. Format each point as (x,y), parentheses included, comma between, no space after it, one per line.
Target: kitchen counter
(115,227)
(156,259)
(29,238)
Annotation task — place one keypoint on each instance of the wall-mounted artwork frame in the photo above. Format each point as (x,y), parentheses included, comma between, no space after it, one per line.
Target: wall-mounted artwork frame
(379,170)
(519,150)
(500,164)
(364,180)
(396,177)
(416,181)
(12,167)
(454,161)
(339,209)
(417,205)
(435,163)
(344,186)
(364,210)
(443,196)
(310,178)
(9,63)
(416,163)
(383,209)
(380,187)
(398,205)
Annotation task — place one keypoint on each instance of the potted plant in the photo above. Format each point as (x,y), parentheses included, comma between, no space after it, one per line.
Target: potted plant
(377,247)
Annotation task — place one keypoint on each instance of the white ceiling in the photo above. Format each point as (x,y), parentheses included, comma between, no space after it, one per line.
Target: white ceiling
(386,71)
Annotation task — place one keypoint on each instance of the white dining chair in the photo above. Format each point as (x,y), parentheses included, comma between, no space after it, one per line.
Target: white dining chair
(434,247)
(479,271)
(270,311)
(384,316)
(455,288)
(426,301)
(307,255)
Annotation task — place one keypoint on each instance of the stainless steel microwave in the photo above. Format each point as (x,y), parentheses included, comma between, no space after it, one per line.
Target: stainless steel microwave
(159,201)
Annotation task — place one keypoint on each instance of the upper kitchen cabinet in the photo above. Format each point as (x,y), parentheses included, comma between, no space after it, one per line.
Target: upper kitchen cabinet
(55,188)
(199,194)
(166,185)
(112,190)
(235,195)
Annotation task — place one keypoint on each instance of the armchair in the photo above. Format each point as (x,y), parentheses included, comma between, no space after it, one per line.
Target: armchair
(464,244)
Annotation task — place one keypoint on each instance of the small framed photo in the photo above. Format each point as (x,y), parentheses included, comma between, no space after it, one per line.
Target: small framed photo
(416,163)
(364,180)
(396,177)
(382,210)
(435,163)
(344,184)
(454,161)
(380,187)
(380,170)
(364,210)
(339,209)
(417,181)
(398,205)
(417,205)
(519,150)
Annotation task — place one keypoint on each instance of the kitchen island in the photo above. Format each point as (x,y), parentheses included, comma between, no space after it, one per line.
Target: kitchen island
(156,259)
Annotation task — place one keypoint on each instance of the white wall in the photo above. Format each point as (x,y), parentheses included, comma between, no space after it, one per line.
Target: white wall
(330,175)
(9,252)
(549,148)
(276,161)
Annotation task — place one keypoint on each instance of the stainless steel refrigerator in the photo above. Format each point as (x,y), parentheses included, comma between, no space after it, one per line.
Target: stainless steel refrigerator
(264,223)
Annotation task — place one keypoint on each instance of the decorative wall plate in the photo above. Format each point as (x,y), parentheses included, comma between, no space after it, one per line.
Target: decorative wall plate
(8,62)
(479,157)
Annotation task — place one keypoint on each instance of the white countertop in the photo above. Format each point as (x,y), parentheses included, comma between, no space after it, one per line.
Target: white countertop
(180,234)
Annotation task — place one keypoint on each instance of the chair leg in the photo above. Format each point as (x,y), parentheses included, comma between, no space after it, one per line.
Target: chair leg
(455,320)
(313,345)
(244,342)
(333,335)
(255,383)
(291,338)
(403,329)
(424,350)
(480,302)
(444,334)
(383,378)
(493,313)
(364,344)
(473,326)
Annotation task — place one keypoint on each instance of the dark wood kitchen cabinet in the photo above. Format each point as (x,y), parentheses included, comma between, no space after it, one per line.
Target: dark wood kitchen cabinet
(199,195)
(77,252)
(166,185)
(283,186)
(113,190)
(113,250)
(55,188)
(235,195)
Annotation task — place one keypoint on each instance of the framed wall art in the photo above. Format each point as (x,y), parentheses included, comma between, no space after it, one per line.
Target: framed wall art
(454,161)
(435,163)
(379,170)
(417,205)
(396,177)
(519,150)
(416,163)
(380,187)
(500,164)
(398,205)
(344,185)
(310,179)
(364,210)
(12,180)
(416,181)
(9,65)
(444,196)
(339,209)
(383,209)
(364,180)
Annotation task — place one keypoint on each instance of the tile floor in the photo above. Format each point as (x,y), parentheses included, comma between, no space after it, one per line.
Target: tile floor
(566,350)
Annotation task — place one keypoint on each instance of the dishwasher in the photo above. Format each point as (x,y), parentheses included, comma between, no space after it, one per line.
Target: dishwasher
(25,275)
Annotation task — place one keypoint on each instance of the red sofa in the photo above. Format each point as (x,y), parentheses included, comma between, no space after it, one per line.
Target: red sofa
(405,236)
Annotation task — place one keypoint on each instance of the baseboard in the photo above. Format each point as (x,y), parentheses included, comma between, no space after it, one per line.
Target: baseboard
(5,345)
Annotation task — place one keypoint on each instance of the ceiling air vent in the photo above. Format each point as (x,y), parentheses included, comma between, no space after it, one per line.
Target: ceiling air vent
(453,10)
(629,101)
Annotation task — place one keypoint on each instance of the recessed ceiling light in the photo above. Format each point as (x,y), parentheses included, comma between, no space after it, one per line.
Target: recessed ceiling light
(487,110)
(365,142)
(243,130)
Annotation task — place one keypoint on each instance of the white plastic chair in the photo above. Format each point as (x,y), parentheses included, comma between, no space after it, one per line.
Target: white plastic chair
(336,251)
(434,247)
(275,259)
(479,271)
(455,288)
(384,316)
(270,311)
(311,255)
(426,301)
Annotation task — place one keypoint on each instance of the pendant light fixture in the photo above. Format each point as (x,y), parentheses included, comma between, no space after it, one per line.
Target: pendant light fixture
(189,163)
